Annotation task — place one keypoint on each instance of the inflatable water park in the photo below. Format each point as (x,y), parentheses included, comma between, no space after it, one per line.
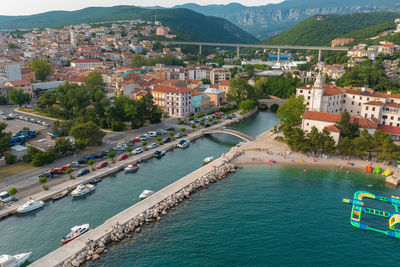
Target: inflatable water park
(358,207)
(377,170)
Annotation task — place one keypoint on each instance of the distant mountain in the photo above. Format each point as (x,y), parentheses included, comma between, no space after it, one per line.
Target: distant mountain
(321,29)
(189,25)
(268,20)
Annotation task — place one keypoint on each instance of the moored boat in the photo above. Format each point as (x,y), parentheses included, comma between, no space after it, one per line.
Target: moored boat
(60,195)
(76,231)
(207,160)
(30,205)
(159,154)
(82,190)
(132,167)
(183,144)
(146,193)
(95,181)
(15,260)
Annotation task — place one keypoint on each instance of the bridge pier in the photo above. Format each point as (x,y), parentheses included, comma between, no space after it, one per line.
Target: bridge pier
(319,55)
(279,55)
(200,49)
(238,52)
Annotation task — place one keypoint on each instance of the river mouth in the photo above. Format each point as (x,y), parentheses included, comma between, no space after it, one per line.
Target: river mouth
(263,216)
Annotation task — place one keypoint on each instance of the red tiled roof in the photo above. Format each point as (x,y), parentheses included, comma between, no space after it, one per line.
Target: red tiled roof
(86,60)
(389,129)
(321,116)
(332,128)
(375,94)
(363,122)
(171,89)
(392,105)
(374,103)
(224,82)
(332,90)
(194,93)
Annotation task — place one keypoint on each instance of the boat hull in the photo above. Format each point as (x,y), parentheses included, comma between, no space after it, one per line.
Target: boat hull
(83,194)
(69,240)
(30,209)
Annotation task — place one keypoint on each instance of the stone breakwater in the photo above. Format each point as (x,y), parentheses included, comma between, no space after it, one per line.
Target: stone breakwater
(91,249)
(95,249)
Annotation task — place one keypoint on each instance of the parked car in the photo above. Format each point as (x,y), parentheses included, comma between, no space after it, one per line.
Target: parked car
(233,115)
(5,197)
(163,131)
(130,143)
(219,113)
(207,125)
(102,164)
(55,171)
(99,155)
(152,134)
(166,140)
(171,129)
(178,135)
(47,174)
(143,138)
(137,151)
(74,164)
(88,157)
(65,167)
(136,140)
(82,172)
(119,148)
(153,145)
(122,157)
(83,161)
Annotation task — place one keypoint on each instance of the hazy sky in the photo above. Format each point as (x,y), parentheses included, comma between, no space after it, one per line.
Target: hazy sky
(27,7)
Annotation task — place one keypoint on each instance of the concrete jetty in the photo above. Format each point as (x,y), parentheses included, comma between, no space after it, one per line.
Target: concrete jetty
(132,219)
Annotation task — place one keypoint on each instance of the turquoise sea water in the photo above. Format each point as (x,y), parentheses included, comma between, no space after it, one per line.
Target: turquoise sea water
(41,232)
(262,216)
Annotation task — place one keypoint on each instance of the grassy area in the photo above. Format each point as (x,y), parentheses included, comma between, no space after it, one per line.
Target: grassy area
(36,112)
(9,170)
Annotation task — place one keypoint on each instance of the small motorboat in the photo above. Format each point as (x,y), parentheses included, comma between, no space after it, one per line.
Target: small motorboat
(60,195)
(30,205)
(146,193)
(15,260)
(183,144)
(132,167)
(159,154)
(95,181)
(76,231)
(83,189)
(207,160)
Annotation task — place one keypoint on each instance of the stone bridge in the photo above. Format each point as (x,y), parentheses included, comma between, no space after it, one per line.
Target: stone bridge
(269,102)
(231,132)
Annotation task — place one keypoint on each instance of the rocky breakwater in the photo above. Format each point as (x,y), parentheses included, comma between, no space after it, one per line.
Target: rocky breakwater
(120,232)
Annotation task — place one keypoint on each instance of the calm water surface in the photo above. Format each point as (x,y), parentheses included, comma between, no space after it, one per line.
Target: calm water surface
(41,232)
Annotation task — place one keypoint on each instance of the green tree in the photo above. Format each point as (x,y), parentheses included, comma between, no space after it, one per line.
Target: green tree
(10,159)
(138,61)
(63,146)
(91,162)
(4,138)
(206,81)
(41,68)
(42,180)
(248,105)
(12,191)
(18,97)
(87,134)
(193,126)
(94,82)
(364,145)
(315,140)
(3,100)
(346,146)
(385,147)
(328,143)
(42,158)
(291,112)
(128,149)
(111,155)
(296,139)
(347,129)
(69,171)
(238,91)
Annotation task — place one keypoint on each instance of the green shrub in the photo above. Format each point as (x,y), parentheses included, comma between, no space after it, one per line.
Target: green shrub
(128,149)
(45,187)
(42,180)
(12,191)
(118,127)
(193,126)
(144,143)
(248,105)
(10,159)
(158,138)
(180,122)
(218,117)
(182,129)
(202,123)
(171,134)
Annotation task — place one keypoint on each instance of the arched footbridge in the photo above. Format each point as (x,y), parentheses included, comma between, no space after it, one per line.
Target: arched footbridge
(231,132)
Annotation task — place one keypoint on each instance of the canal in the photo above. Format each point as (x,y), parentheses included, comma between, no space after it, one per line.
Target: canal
(41,232)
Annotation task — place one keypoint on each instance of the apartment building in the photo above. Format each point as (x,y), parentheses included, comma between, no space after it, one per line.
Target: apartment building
(176,101)
(10,72)
(218,75)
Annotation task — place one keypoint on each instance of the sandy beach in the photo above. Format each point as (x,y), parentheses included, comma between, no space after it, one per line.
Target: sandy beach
(265,150)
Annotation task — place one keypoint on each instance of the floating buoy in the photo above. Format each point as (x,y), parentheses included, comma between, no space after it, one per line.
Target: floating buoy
(52,239)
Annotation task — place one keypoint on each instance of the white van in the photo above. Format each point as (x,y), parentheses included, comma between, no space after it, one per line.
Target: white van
(5,197)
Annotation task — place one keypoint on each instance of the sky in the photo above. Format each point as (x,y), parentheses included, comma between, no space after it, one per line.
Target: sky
(28,7)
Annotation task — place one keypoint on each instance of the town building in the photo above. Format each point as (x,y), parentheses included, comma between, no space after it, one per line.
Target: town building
(218,75)
(10,72)
(86,63)
(341,41)
(176,101)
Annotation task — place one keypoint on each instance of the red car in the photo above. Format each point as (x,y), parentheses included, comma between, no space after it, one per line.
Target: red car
(136,140)
(65,167)
(122,157)
(102,164)
(56,171)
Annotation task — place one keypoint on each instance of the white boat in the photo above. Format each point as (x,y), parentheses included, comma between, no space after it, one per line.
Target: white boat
(159,154)
(14,261)
(207,160)
(146,193)
(76,231)
(30,205)
(183,144)
(82,190)
(132,167)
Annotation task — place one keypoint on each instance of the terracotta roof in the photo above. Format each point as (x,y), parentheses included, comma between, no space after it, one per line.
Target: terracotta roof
(332,128)
(86,60)
(389,129)
(374,103)
(171,89)
(332,90)
(194,93)
(392,105)
(363,122)
(375,94)
(224,82)
(321,116)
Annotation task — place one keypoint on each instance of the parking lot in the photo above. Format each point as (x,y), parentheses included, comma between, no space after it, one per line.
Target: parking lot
(16,125)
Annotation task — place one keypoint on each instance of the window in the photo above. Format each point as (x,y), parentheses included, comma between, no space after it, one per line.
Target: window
(366,115)
(367,98)
(398,124)
(308,124)
(353,96)
(373,108)
(352,102)
(392,118)
(308,97)
(384,117)
(366,108)
(301,91)
(359,104)
(391,124)
(360,98)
